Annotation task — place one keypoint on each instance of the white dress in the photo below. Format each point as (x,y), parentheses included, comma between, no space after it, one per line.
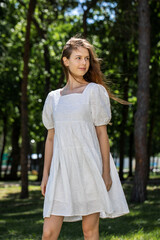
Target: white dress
(75,186)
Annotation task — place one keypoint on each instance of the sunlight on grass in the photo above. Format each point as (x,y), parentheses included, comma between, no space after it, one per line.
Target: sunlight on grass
(22,219)
(32,176)
(7,189)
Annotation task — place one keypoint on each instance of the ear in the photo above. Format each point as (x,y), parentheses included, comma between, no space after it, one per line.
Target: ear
(65,61)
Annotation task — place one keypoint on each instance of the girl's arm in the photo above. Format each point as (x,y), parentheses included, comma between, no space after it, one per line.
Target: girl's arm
(47,159)
(105,152)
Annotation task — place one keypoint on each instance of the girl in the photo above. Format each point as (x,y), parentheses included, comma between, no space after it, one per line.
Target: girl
(80,180)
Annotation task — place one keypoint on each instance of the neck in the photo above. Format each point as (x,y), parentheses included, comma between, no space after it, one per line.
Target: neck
(75,81)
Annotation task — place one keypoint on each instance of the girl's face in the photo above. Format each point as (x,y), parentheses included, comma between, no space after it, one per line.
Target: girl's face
(78,62)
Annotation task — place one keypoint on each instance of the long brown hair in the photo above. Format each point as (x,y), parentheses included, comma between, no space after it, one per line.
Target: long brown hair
(94,73)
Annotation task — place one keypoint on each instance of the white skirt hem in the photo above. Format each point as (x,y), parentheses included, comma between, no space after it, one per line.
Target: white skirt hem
(78,217)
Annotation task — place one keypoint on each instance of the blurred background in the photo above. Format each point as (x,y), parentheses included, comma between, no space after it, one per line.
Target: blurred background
(126,37)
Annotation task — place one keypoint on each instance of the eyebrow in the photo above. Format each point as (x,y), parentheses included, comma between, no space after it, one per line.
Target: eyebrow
(81,55)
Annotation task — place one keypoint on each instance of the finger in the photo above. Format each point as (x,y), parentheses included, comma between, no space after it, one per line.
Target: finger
(43,191)
(109,187)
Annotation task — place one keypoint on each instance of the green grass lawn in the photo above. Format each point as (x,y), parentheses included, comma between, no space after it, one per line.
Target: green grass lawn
(22,218)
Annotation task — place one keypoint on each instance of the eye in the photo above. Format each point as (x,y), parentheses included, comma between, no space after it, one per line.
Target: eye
(78,58)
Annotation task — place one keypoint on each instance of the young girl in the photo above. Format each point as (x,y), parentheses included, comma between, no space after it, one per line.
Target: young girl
(80,180)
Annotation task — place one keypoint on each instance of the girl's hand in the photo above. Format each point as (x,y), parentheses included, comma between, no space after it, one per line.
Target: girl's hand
(107,180)
(43,185)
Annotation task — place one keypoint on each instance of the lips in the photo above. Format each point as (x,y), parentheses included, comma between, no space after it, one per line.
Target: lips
(82,69)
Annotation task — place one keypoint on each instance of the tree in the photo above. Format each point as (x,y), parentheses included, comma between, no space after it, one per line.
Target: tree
(15,149)
(126,34)
(87,6)
(141,116)
(4,140)
(24,112)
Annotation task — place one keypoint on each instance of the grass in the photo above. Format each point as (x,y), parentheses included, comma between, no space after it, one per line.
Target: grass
(21,219)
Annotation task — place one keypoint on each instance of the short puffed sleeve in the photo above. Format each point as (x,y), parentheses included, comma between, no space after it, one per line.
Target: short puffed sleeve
(47,113)
(100,105)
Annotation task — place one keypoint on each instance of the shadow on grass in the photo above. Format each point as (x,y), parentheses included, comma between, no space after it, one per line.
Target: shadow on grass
(22,218)
(144,216)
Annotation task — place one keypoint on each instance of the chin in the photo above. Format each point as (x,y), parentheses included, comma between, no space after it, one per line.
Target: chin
(79,75)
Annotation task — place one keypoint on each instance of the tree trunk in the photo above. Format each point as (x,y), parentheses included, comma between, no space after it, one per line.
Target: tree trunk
(123,139)
(141,116)
(41,162)
(42,33)
(125,7)
(124,115)
(24,110)
(48,69)
(131,139)
(152,121)
(15,149)
(3,142)
(89,6)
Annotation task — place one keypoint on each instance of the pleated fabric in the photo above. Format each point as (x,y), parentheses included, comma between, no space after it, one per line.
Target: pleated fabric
(75,187)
